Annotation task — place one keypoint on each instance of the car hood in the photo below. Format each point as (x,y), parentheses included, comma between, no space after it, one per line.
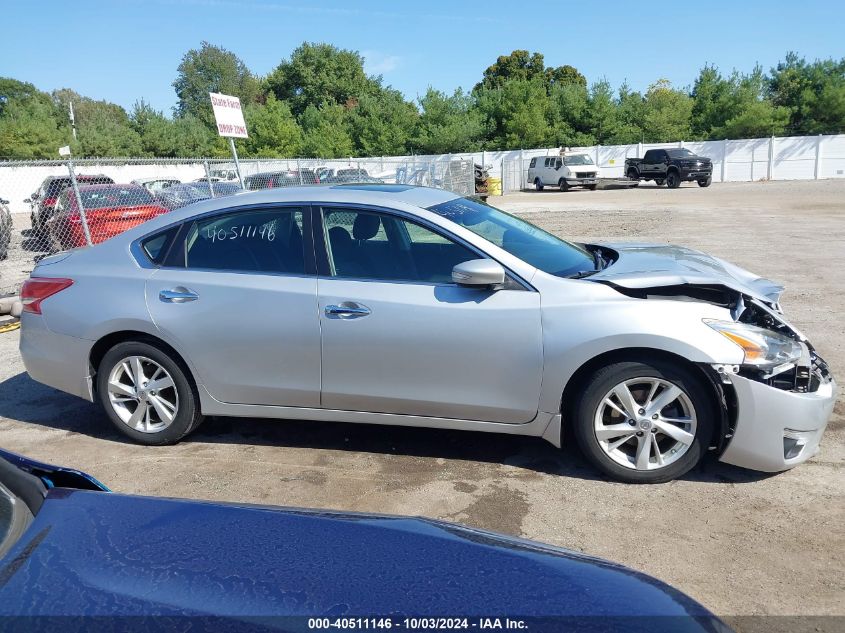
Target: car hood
(100,553)
(643,266)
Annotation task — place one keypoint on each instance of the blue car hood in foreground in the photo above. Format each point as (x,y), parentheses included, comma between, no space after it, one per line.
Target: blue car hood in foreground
(95,553)
(642,266)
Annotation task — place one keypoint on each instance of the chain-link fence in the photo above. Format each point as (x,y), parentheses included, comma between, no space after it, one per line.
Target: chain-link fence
(50,206)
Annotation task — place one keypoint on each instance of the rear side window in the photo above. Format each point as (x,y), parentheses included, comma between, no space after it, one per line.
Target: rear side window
(533,162)
(156,247)
(262,241)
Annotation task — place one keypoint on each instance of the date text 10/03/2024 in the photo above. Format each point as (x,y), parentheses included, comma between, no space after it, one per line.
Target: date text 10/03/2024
(417,623)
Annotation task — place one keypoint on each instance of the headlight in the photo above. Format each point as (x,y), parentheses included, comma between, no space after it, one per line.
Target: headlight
(763,348)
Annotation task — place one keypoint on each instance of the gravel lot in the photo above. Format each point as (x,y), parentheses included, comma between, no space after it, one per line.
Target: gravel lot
(740,542)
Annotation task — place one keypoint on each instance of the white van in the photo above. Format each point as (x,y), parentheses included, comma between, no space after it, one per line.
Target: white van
(571,169)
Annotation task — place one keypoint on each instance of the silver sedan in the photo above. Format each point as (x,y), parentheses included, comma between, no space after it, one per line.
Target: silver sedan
(392,304)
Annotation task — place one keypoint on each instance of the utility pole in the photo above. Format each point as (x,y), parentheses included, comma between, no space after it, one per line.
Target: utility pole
(72,119)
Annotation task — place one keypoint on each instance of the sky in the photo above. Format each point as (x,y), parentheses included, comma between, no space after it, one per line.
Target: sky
(125,50)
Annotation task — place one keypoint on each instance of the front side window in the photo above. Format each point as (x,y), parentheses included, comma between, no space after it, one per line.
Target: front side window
(262,241)
(371,245)
(519,238)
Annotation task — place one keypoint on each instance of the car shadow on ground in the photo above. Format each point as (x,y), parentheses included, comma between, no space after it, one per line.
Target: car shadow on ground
(24,400)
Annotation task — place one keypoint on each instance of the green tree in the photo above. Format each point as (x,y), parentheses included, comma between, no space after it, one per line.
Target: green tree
(630,111)
(807,89)
(449,123)
(103,128)
(521,64)
(326,132)
(383,123)
(517,113)
(568,115)
(211,69)
(31,123)
(603,112)
(756,119)
(666,113)
(273,132)
(320,73)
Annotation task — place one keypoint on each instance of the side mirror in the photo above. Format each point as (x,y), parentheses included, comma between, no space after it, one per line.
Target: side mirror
(478,272)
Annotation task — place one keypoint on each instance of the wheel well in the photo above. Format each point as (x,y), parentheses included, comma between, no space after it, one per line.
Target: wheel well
(101,347)
(672,168)
(723,395)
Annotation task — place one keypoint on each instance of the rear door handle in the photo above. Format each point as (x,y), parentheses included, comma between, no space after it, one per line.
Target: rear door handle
(179,294)
(347,310)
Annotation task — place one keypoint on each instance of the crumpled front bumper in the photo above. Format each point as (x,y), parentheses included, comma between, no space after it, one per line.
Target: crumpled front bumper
(777,429)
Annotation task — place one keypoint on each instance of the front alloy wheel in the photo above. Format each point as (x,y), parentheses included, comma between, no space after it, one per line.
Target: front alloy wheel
(644,422)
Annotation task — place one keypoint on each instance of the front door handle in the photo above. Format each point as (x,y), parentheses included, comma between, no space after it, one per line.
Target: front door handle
(179,294)
(347,310)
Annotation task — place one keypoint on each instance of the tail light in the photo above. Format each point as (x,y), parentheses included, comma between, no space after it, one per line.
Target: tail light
(36,289)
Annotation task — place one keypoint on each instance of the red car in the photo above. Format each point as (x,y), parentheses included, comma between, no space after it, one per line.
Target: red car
(109,210)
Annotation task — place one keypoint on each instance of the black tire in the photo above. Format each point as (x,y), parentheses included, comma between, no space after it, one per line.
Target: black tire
(188,416)
(538,184)
(633,174)
(673,180)
(564,186)
(587,405)
(593,187)
(658,182)
(705,182)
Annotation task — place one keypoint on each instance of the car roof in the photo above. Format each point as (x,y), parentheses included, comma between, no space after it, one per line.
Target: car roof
(110,185)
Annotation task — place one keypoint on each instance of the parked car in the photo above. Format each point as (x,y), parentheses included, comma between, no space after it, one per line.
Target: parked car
(156,185)
(672,166)
(178,196)
(126,555)
(324,172)
(43,201)
(432,310)
(288,178)
(109,211)
(6,228)
(570,169)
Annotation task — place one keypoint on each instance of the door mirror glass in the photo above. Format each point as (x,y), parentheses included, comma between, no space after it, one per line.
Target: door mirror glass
(478,272)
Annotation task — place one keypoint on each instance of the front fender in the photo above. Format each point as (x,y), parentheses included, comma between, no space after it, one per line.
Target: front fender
(575,334)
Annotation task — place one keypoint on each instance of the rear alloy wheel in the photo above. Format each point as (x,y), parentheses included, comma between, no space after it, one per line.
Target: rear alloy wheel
(564,186)
(705,182)
(146,394)
(538,184)
(644,423)
(673,180)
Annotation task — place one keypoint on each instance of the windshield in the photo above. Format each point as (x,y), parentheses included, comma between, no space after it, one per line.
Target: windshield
(680,153)
(578,159)
(519,238)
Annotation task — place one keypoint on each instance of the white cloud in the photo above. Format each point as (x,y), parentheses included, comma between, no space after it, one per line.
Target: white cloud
(376,63)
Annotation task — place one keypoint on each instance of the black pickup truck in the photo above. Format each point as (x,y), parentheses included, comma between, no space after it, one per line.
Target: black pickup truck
(672,166)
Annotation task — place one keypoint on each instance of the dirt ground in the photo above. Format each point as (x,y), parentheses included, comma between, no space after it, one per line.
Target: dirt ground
(740,542)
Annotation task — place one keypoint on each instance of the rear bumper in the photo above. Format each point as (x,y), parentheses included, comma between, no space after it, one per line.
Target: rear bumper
(771,422)
(56,360)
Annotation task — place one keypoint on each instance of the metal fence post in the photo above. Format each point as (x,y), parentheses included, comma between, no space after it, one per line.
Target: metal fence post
(770,170)
(299,170)
(724,158)
(817,171)
(208,178)
(79,202)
